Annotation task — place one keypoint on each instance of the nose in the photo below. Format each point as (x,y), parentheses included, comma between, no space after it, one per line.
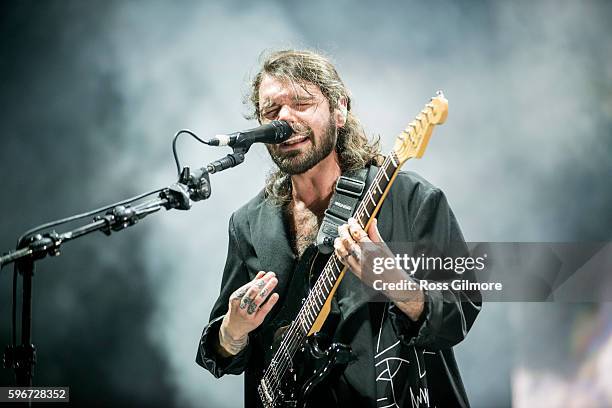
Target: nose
(285,113)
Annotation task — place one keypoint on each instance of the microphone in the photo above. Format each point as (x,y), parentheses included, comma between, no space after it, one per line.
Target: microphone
(274,132)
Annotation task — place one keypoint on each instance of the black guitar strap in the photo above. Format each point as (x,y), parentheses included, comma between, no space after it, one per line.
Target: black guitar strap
(349,190)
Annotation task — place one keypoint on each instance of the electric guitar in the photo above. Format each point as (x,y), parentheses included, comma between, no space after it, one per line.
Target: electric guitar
(300,358)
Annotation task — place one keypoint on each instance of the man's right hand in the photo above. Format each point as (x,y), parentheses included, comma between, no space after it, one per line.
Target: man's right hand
(246,311)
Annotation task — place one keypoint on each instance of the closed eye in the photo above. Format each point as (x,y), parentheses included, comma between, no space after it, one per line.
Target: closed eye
(270,114)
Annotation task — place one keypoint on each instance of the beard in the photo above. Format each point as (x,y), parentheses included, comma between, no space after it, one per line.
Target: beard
(298,162)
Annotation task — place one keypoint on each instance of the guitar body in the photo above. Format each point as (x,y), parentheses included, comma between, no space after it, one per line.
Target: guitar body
(318,362)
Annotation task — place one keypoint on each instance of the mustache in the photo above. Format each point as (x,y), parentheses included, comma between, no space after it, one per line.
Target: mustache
(300,129)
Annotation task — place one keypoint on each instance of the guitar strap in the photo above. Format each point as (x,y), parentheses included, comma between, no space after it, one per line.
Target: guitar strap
(349,190)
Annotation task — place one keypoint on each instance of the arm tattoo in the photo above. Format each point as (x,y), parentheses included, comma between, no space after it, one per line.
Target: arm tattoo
(411,303)
(230,345)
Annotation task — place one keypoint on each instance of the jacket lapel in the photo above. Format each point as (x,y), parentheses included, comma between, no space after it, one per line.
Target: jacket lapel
(271,244)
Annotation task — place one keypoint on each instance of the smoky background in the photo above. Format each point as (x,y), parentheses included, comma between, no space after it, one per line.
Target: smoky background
(92,93)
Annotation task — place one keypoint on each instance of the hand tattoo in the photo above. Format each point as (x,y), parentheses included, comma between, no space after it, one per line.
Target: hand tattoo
(245,301)
(240,294)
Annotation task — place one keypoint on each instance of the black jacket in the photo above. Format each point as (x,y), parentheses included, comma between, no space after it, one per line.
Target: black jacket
(400,361)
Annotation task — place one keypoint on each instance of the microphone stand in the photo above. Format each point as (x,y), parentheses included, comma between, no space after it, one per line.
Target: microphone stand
(191,187)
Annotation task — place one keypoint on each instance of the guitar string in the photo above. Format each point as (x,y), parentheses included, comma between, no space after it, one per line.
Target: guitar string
(293,335)
(293,341)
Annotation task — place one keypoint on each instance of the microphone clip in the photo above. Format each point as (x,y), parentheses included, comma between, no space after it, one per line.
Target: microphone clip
(197,182)
(195,185)
(190,187)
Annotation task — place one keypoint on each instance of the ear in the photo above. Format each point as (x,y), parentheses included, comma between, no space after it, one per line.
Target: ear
(341,112)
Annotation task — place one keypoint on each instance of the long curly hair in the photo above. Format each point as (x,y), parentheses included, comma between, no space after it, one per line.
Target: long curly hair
(303,66)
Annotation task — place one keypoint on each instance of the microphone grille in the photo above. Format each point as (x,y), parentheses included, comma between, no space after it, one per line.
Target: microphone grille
(283,130)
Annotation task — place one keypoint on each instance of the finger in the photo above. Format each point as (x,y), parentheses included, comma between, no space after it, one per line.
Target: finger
(356,232)
(345,236)
(264,280)
(244,302)
(260,274)
(353,263)
(350,256)
(240,292)
(261,280)
(340,250)
(248,301)
(355,253)
(373,232)
(265,292)
(266,307)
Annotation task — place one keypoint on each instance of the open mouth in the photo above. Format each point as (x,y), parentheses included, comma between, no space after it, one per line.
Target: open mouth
(294,141)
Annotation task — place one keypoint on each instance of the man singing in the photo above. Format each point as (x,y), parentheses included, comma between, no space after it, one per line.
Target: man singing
(402,347)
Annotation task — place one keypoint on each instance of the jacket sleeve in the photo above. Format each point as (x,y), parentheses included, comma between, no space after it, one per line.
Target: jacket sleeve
(449,314)
(235,275)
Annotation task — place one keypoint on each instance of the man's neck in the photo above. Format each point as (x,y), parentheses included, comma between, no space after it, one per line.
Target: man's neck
(315,187)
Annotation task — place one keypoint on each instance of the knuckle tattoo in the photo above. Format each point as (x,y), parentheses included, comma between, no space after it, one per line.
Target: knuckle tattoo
(252,308)
(245,302)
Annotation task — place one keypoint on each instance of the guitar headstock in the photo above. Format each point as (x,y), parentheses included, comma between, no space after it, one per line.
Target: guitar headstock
(413,140)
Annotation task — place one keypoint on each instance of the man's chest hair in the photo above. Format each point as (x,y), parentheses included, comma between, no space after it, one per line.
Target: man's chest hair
(304,226)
